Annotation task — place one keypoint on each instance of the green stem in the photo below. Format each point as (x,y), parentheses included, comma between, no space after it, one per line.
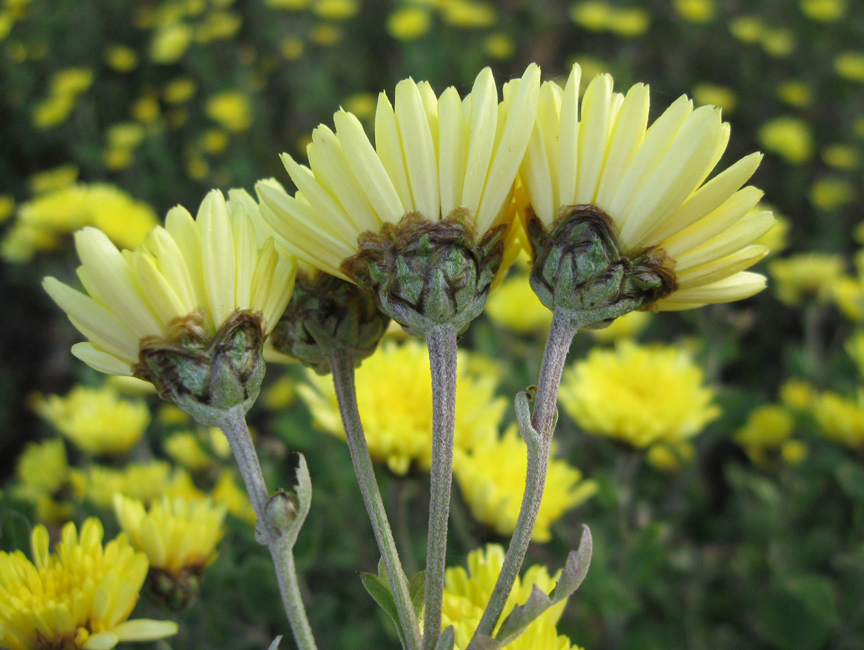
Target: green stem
(441,341)
(539,441)
(280,546)
(342,368)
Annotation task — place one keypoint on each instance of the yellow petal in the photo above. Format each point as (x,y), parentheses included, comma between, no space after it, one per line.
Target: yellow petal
(418,149)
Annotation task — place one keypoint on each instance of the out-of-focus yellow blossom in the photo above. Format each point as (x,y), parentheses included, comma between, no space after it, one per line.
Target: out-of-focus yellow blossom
(179,90)
(797,394)
(121,58)
(468,14)
(767,428)
(841,419)
(855,348)
(467,592)
(593,15)
(499,46)
(71,81)
(79,597)
(848,294)
(394,396)
(170,43)
(143,481)
(290,5)
(53,111)
(197,168)
(219,25)
(747,28)
(124,220)
(639,394)
(596,15)
(214,141)
(670,457)
(171,415)
(831,192)
(197,451)
(776,239)
(627,326)
(178,536)
(778,42)
(235,499)
(841,156)
(146,108)
(362,105)
(850,65)
(43,473)
(7,207)
(335,10)
(96,420)
(325,34)
(630,22)
(291,48)
(7,21)
(280,394)
(793,452)
(825,11)
(858,127)
(720,96)
(514,305)
(789,137)
(795,93)
(231,109)
(492,480)
(696,11)
(125,135)
(804,276)
(54,179)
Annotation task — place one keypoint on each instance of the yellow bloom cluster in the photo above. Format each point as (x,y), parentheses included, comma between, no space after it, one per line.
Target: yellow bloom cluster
(65,88)
(79,597)
(841,419)
(789,137)
(768,430)
(97,420)
(143,481)
(466,593)
(43,472)
(42,222)
(394,396)
(197,451)
(492,480)
(805,276)
(599,16)
(638,394)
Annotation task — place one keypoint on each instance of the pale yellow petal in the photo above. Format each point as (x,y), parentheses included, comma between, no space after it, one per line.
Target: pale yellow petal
(482,125)
(388,145)
(743,232)
(721,268)
(736,287)
(418,148)
(217,249)
(452,150)
(101,361)
(142,629)
(593,137)
(568,144)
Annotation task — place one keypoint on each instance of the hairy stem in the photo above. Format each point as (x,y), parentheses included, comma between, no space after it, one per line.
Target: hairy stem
(441,341)
(342,368)
(280,546)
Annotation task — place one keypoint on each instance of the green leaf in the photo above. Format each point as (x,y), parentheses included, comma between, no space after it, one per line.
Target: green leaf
(417,592)
(15,533)
(380,591)
(448,637)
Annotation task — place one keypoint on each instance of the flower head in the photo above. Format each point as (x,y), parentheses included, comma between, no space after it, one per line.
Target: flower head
(492,480)
(638,394)
(144,481)
(841,419)
(808,275)
(394,396)
(766,432)
(43,478)
(627,208)
(78,597)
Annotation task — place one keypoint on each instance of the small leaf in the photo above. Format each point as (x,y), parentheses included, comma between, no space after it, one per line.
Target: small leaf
(448,637)
(483,642)
(274,645)
(380,591)
(523,417)
(523,615)
(576,568)
(15,533)
(417,592)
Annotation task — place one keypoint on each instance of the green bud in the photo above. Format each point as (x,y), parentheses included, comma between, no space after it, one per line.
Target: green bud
(206,375)
(428,273)
(328,314)
(281,510)
(579,269)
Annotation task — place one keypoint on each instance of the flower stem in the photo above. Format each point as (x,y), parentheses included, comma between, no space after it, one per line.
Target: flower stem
(561,334)
(281,549)
(441,341)
(342,368)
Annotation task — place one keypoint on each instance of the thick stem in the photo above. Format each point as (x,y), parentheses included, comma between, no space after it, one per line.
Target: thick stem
(280,546)
(342,368)
(557,345)
(441,341)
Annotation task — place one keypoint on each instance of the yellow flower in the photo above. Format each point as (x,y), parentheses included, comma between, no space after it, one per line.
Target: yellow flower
(850,65)
(290,5)
(767,428)
(53,111)
(71,81)
(179,90)
(808,275)
(78,597)
(492,480)
(650,184)
(121,58)
(841,156)
(468,14)
(54,179)
(831,192)
(719,96)
(778,42)
(231,109)
(336,10)
(143,481)
(394,396)
(325,34)
(432,155)
(176,535)
(747,28)
(627,326)
(7,207)
(97,420)
(291,48)
(795,93)
(218,25)
(841,419)
(824,11)
(696,11)
(629,22)
(170,43)
(43,473)
(848,294)
(212,267)
(197,451)
(499,46)
(362,105)
(797,394)
(514,305)
(280,394)
(670,457)
(789,137)
(125,135)
(776,239)
(236,500)
(638,394)
(467,592)
(593,15)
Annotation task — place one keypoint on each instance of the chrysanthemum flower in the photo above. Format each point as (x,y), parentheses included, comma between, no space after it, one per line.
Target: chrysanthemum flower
(806,276)
(426,205)
(182,300)
(96,420)
(78,597)
(467,592)
(641,224)
(766,432)
(841,419)
(492,480)
(43,474)
(144,481)
(394,396)
(638,394)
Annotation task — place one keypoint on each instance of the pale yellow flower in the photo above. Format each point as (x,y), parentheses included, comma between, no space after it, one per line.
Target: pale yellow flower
(841,419)
(170,43)
(789,137)
(824,11)
(850,65)
(795,93)
(670,457)
(97,420)
(42,471)
(466,593)
(807,275)
(432,155)
(696,11)
(650,183)
(212,266)
(841,156)
(720,96)
(499,46)
(231,109)
(747,28)
(492,477)
(394,396)
(335,10)
(468,14)
(638,394)
(176,535)
(79,597)
(143,481)
(831,192)
(179,90)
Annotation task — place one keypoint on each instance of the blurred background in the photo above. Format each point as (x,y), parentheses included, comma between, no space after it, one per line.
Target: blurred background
(747,536)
